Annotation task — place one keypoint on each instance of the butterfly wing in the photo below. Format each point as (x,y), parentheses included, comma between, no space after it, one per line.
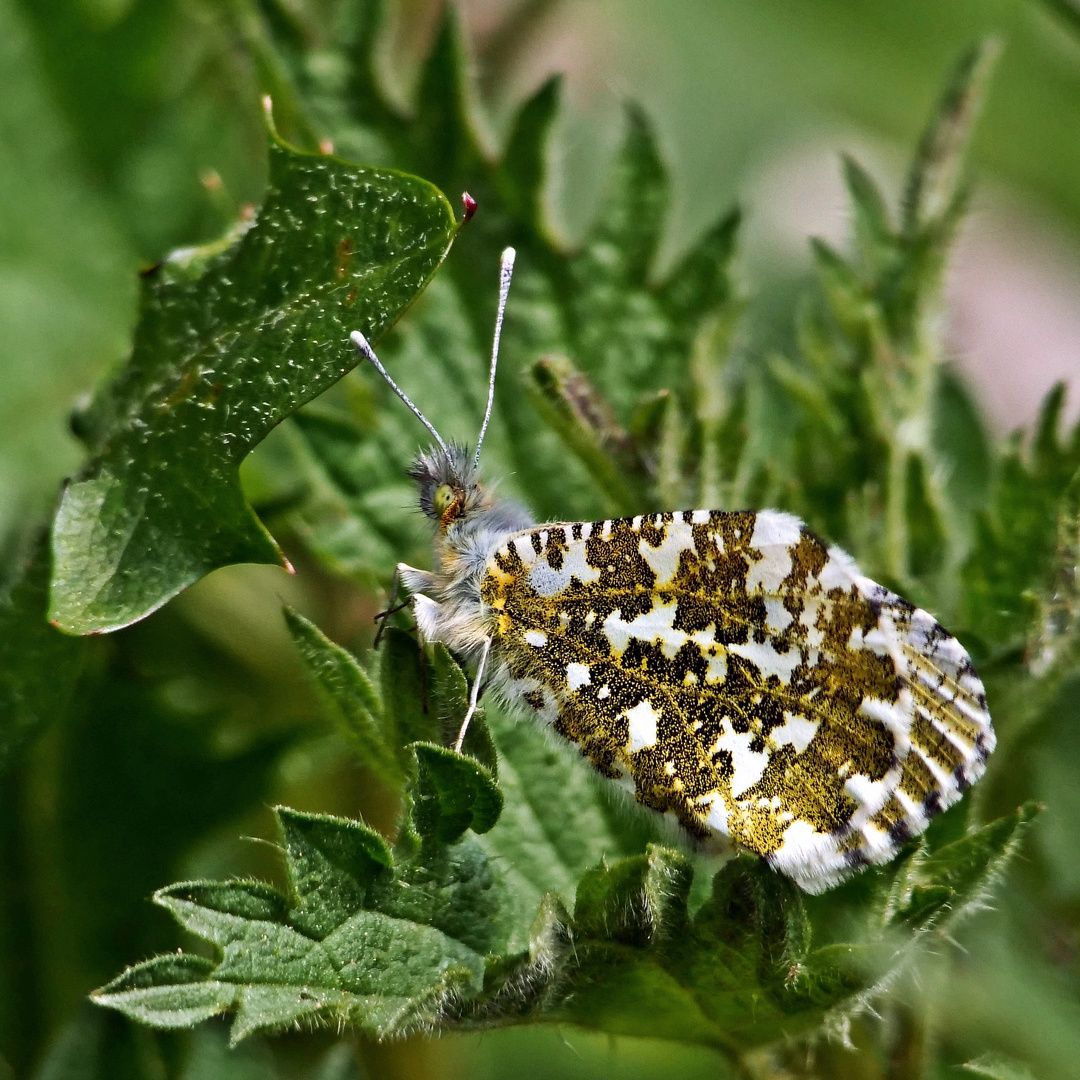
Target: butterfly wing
(739,673)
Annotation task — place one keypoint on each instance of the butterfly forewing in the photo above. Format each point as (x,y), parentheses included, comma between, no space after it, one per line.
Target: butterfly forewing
(740,674)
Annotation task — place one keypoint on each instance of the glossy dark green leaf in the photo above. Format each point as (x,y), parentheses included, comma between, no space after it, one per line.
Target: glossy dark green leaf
(231,340)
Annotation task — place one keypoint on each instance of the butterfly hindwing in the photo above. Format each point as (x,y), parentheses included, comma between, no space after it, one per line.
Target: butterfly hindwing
(735,671)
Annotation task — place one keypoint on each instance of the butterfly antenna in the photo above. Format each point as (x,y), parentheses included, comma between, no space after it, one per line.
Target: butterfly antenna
(506,272)
(366,350)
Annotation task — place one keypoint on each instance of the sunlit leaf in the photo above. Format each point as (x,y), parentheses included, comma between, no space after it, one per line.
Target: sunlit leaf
(231,340)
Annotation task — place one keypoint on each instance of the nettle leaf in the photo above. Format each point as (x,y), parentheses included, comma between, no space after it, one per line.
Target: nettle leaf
(349,695)
(364,938)
(577,323)
(448,928)
(1018,533)
(744,970)
(231,340)
(518,888)
(453,793)
(874,457)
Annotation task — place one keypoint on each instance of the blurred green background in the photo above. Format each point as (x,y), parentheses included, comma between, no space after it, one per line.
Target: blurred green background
(130,127)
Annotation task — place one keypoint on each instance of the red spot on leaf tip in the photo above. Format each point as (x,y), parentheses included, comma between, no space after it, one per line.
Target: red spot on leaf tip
(288,566)
(326,146)
(470,206)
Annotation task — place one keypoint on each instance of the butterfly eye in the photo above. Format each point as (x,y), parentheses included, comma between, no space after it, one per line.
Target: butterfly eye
(442,499)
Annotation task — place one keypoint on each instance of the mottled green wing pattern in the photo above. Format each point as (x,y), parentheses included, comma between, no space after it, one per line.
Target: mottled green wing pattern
(734,671)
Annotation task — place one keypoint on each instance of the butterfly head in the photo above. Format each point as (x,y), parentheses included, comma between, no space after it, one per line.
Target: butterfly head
(447,480)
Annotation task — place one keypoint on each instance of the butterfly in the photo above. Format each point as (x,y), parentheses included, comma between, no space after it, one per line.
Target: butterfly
(729,670)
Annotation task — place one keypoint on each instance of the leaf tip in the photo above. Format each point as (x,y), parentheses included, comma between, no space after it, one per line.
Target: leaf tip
(470,207)
(271,125)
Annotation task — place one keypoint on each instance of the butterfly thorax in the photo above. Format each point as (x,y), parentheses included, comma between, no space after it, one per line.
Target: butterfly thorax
(470,525)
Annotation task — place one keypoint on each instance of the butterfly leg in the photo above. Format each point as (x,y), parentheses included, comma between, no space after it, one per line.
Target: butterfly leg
(391,608)
(474,696)
(414,580)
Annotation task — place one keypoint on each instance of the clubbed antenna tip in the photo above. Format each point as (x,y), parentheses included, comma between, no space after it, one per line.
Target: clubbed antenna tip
(506,272)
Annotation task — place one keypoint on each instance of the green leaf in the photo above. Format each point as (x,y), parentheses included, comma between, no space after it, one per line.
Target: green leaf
(407,709)
(349,695)
(231,340)
(354,505)
(740,972)
(440,142)
(586,424)
(322,954)
(168,991)
(454,793)
(39,666)
(874,233)
(701,283)
(450,696)
(966,867)
(934,181)
(524,168)
(737,973)
(558,820)
(744,970)
(636,901)
(617,331)
(330,864)
(1018,534)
